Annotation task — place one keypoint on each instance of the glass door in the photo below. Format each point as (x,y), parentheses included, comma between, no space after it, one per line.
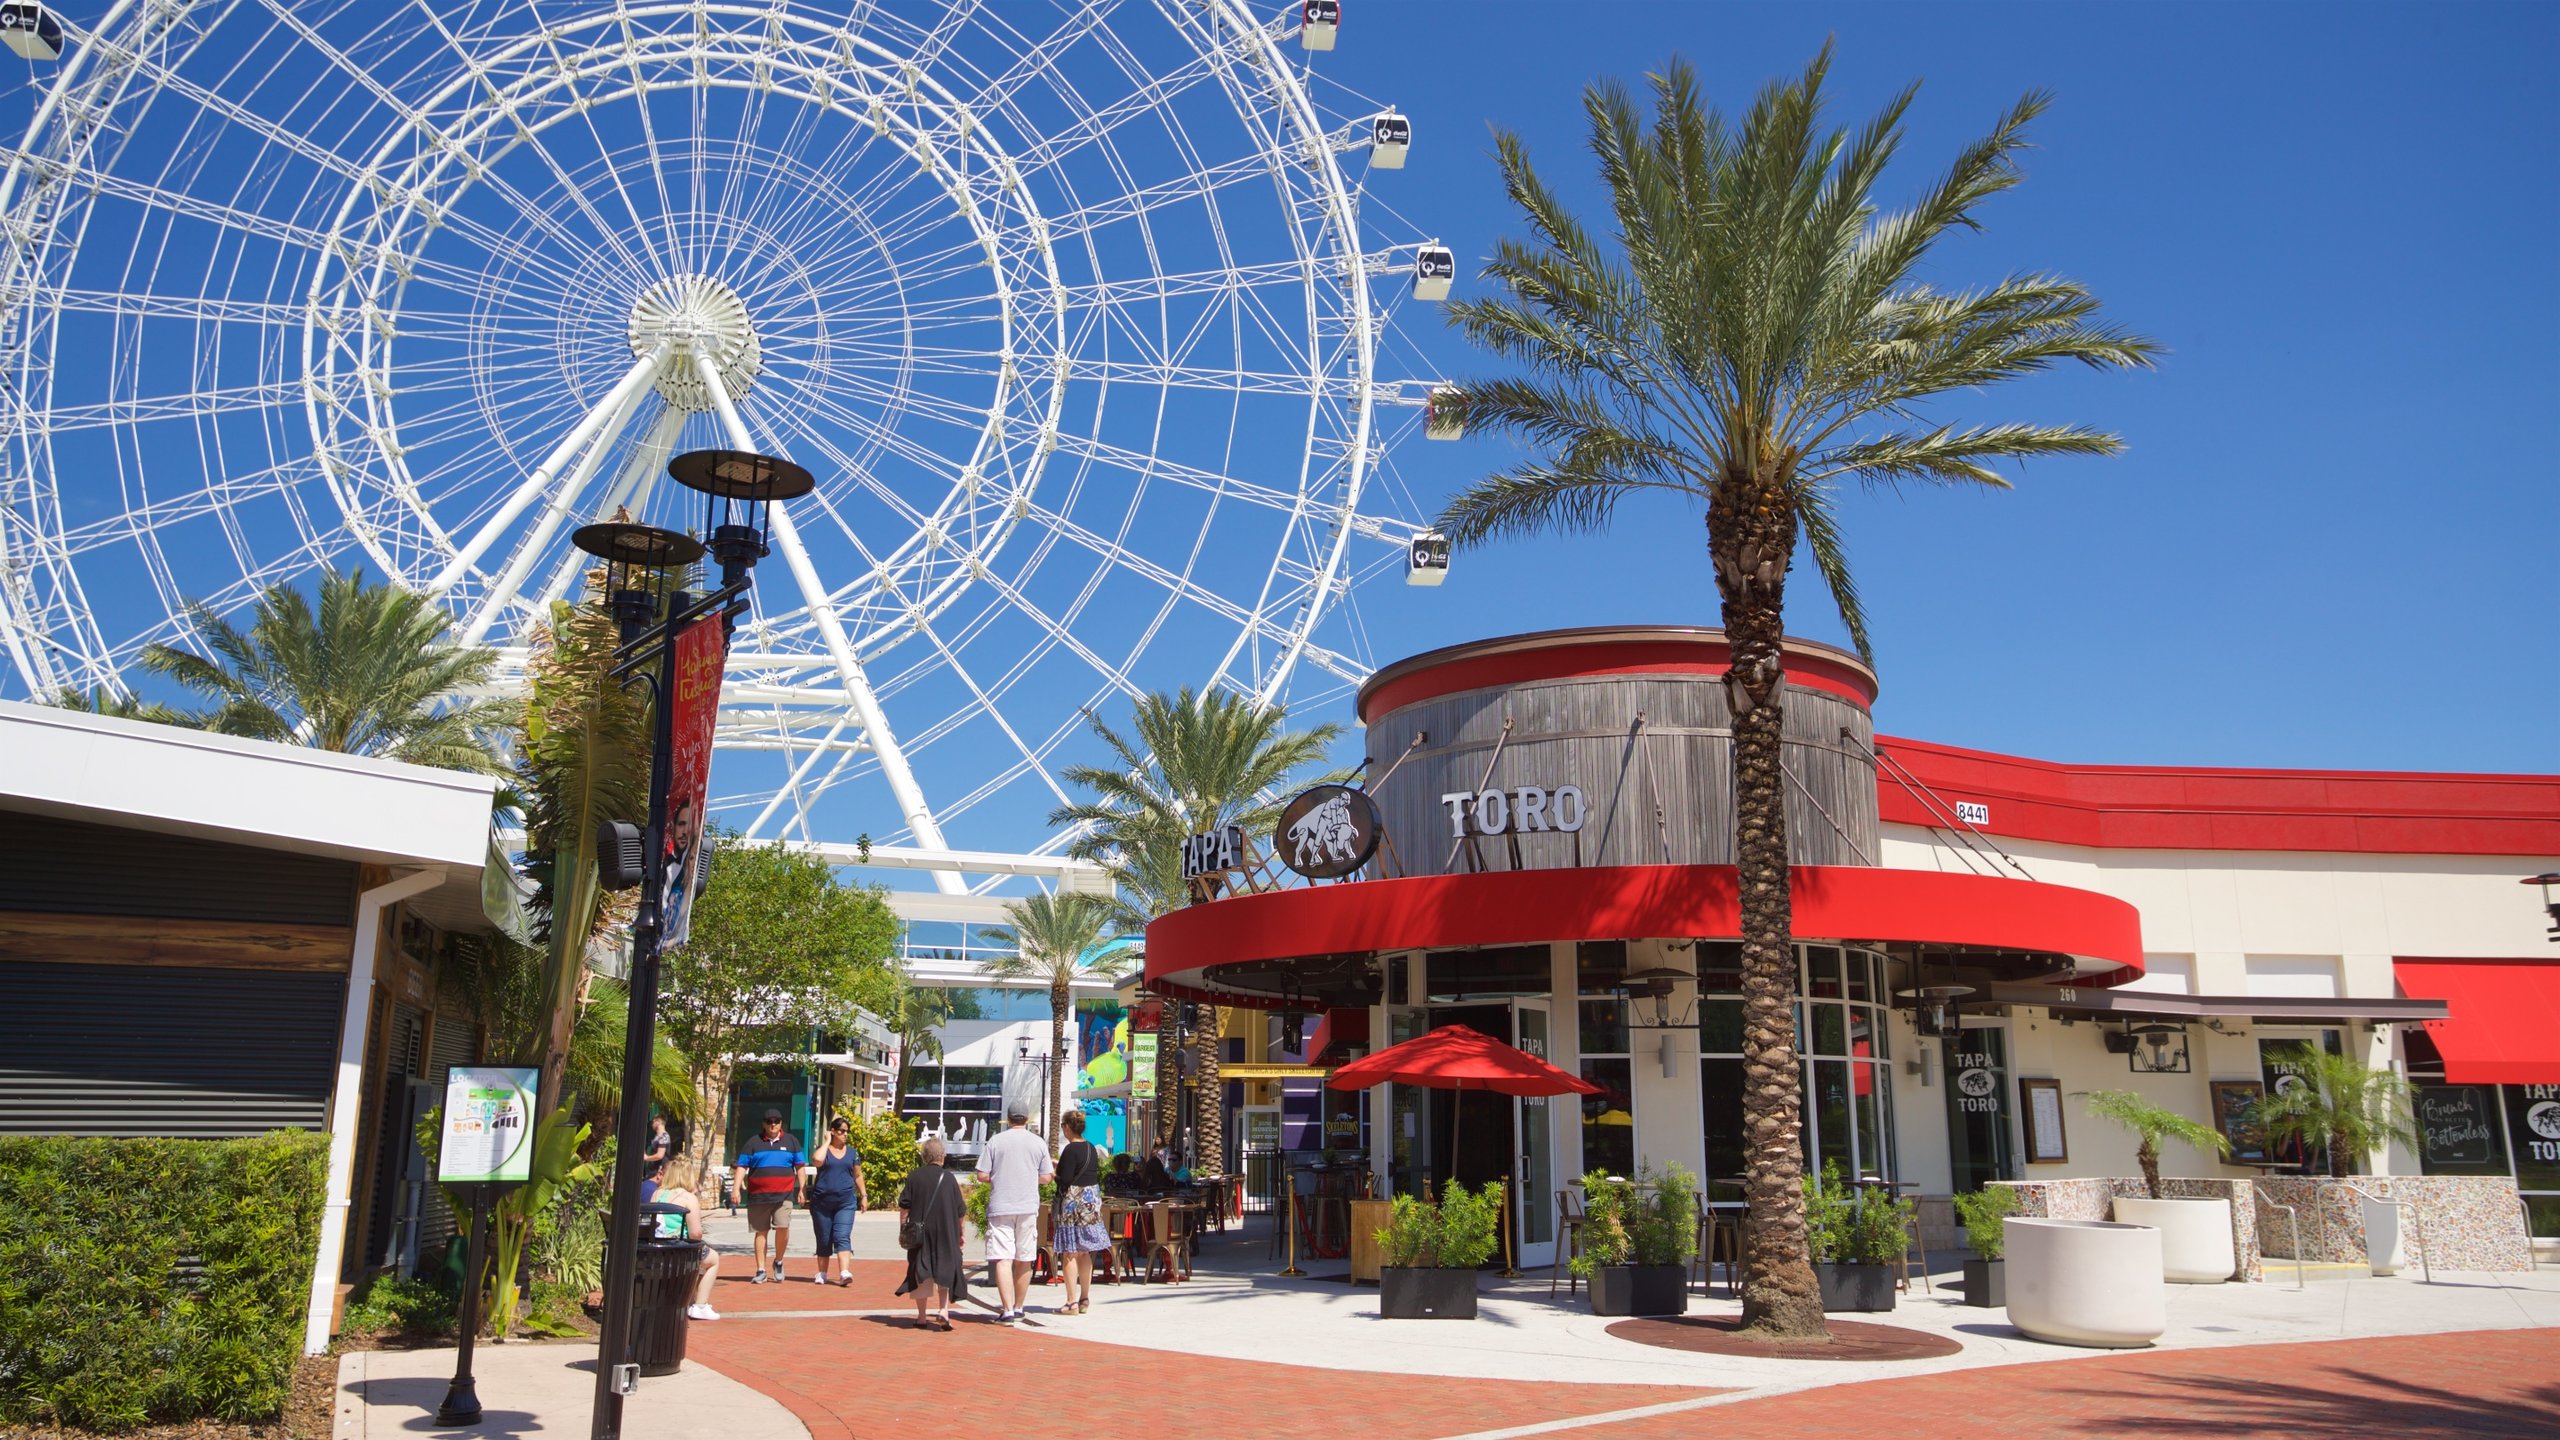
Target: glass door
(1978,1116)
(1533,1184)
(1408,1143)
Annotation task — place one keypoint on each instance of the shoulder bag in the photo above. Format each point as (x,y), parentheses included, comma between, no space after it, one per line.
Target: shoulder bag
(911,1230)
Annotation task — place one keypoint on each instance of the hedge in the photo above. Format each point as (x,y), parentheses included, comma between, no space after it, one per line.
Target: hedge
(155,1280)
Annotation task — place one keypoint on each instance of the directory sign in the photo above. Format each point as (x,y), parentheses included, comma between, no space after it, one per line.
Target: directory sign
(488,1125)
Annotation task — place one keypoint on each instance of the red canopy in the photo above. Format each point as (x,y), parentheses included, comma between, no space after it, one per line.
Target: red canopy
(1457,1057)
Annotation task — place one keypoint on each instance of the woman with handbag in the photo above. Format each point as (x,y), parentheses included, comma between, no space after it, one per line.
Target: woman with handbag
(1080,1232)
(929,1213)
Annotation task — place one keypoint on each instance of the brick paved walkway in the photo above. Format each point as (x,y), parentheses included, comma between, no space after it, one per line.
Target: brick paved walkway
(2497,1384)
(868,1377)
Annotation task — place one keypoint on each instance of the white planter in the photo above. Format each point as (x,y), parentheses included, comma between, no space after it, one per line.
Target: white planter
(2085,1282)
(2384,1249)
(2195,1236)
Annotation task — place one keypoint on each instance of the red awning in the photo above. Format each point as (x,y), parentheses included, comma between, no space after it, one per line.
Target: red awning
(2503,1025)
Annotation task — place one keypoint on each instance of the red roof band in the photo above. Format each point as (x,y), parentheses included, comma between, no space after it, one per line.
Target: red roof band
(1634,902)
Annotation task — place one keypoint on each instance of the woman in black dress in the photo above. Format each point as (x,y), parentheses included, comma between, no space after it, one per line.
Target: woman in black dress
(931,1198)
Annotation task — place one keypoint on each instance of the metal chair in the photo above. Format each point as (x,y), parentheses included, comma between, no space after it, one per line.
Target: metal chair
(1164,1240)
(1568,1240)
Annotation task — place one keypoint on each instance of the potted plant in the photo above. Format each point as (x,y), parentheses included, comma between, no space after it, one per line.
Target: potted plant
(2195,1231)
(1986,1274)
(1855,1241)
(2085,1282)
(1637,1240)
(2342,1109)
(1429,1254)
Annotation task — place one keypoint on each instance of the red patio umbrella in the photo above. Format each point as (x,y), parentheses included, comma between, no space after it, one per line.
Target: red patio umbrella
(1460,1057)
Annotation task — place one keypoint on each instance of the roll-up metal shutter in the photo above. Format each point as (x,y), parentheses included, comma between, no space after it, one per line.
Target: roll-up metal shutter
(146,1050)
(67,867)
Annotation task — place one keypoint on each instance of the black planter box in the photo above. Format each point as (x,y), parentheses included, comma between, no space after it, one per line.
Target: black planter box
(1863,1288)
(1409,1293)
(1640,1290)
(1986,1283)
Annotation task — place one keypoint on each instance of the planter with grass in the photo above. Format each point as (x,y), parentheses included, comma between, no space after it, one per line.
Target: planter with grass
(1857,1240)
(1637,1241)
(1986,1274)
(2195,1232)
(1429,1254)
(2343,1109)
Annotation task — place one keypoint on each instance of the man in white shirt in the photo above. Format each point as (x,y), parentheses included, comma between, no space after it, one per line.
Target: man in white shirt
(1014,1163)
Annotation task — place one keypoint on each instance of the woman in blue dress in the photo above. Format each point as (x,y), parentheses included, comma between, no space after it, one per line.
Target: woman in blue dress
(835,1194)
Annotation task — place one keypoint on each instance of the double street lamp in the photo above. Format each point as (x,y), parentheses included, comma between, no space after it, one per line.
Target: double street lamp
(644,571)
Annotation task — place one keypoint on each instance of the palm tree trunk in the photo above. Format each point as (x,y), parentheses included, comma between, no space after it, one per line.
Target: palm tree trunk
(1210,1044)
(1168,1075)
(1751,538)
(1059,1001)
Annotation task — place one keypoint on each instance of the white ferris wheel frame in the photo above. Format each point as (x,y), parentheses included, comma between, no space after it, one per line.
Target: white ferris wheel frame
(52,638)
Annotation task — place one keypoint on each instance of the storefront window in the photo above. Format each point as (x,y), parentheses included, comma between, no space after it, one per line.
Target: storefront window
(1977,1090)
(1840,1030)
(2280,1066)
(2488,1130)
(1608,1118)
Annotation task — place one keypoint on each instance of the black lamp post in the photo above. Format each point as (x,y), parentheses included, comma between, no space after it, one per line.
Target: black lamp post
(642,563)
(2550,906)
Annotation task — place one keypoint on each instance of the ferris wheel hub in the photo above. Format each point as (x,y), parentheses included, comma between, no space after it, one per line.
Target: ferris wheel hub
(697,314)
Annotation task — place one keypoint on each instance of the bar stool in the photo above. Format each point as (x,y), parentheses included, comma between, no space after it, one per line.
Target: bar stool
(1569,1220)
(1165,1241)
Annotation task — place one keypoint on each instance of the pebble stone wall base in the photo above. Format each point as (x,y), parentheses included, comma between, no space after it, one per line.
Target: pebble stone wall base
(2094,1199)
(2469,1222)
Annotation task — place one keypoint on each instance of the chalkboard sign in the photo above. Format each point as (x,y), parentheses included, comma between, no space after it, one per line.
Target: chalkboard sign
(2457,1127)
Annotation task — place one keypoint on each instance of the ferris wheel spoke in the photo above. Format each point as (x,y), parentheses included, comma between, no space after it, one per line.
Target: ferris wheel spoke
(147,409)
(222,491)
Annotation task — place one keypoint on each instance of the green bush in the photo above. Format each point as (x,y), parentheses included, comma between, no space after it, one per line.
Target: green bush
(569,1236)
(151,1280)
(1459,1233)
(1982,1211)
(1651,1222)
(887,1144)
(400,1306)
(1845,1225)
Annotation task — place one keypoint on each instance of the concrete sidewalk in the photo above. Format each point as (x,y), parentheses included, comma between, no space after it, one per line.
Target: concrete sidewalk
(544,1389)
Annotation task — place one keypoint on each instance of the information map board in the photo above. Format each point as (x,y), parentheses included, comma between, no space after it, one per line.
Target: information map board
(488,1125)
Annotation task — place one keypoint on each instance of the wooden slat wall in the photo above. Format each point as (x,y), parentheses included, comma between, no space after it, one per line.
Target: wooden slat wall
(152,940)
(1582,732)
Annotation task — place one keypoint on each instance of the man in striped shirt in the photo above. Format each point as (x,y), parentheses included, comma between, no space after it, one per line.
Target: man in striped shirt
(772,1165)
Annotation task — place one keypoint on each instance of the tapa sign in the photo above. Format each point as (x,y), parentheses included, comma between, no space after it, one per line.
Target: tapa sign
(1327,832)
(488,1126)
(1214,853)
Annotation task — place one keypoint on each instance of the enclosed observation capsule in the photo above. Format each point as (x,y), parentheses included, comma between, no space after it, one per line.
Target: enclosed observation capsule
(1318,20)
(1390,135)
(1427,559)
(1433,268)
(31,30)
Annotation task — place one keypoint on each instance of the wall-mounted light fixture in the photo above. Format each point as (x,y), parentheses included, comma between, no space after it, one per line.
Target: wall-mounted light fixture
(2550,906)
(1937,1011)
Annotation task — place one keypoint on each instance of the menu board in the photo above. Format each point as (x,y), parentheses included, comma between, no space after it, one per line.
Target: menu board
(2457,1128)
(2045,1142)
(2233,1102)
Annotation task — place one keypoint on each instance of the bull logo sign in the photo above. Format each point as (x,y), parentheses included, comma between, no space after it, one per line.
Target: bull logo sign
(1327,832)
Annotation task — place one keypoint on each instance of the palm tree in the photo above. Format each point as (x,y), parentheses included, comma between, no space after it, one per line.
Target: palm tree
(1749,339)
(1193,763)
(915,1014)
(1052,937)
(2343,1108)
(368,673)
(2150,1124)
(106,700)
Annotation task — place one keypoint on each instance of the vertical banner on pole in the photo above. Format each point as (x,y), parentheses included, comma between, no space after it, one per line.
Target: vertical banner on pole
(701,653)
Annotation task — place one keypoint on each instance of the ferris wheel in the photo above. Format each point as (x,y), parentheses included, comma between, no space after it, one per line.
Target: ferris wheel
(1082,314)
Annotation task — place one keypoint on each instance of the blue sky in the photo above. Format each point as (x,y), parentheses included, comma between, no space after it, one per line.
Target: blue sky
(2327,544)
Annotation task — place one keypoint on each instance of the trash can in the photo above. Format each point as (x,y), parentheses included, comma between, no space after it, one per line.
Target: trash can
(662,1288)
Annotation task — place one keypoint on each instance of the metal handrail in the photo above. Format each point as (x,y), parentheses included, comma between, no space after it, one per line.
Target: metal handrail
(2294,1223)
(2418,1222)
(2532,1256)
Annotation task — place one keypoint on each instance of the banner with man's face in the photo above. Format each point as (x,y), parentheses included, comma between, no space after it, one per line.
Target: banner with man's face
(701,655)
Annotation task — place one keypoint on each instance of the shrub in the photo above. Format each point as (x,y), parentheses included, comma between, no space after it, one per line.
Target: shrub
(569,1236)
(1459,1233)
(400,1306)
(151,1280)
(1830,1216)
(1880,1228)
(1651,1222)
(887,1144)
(1982,1211)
